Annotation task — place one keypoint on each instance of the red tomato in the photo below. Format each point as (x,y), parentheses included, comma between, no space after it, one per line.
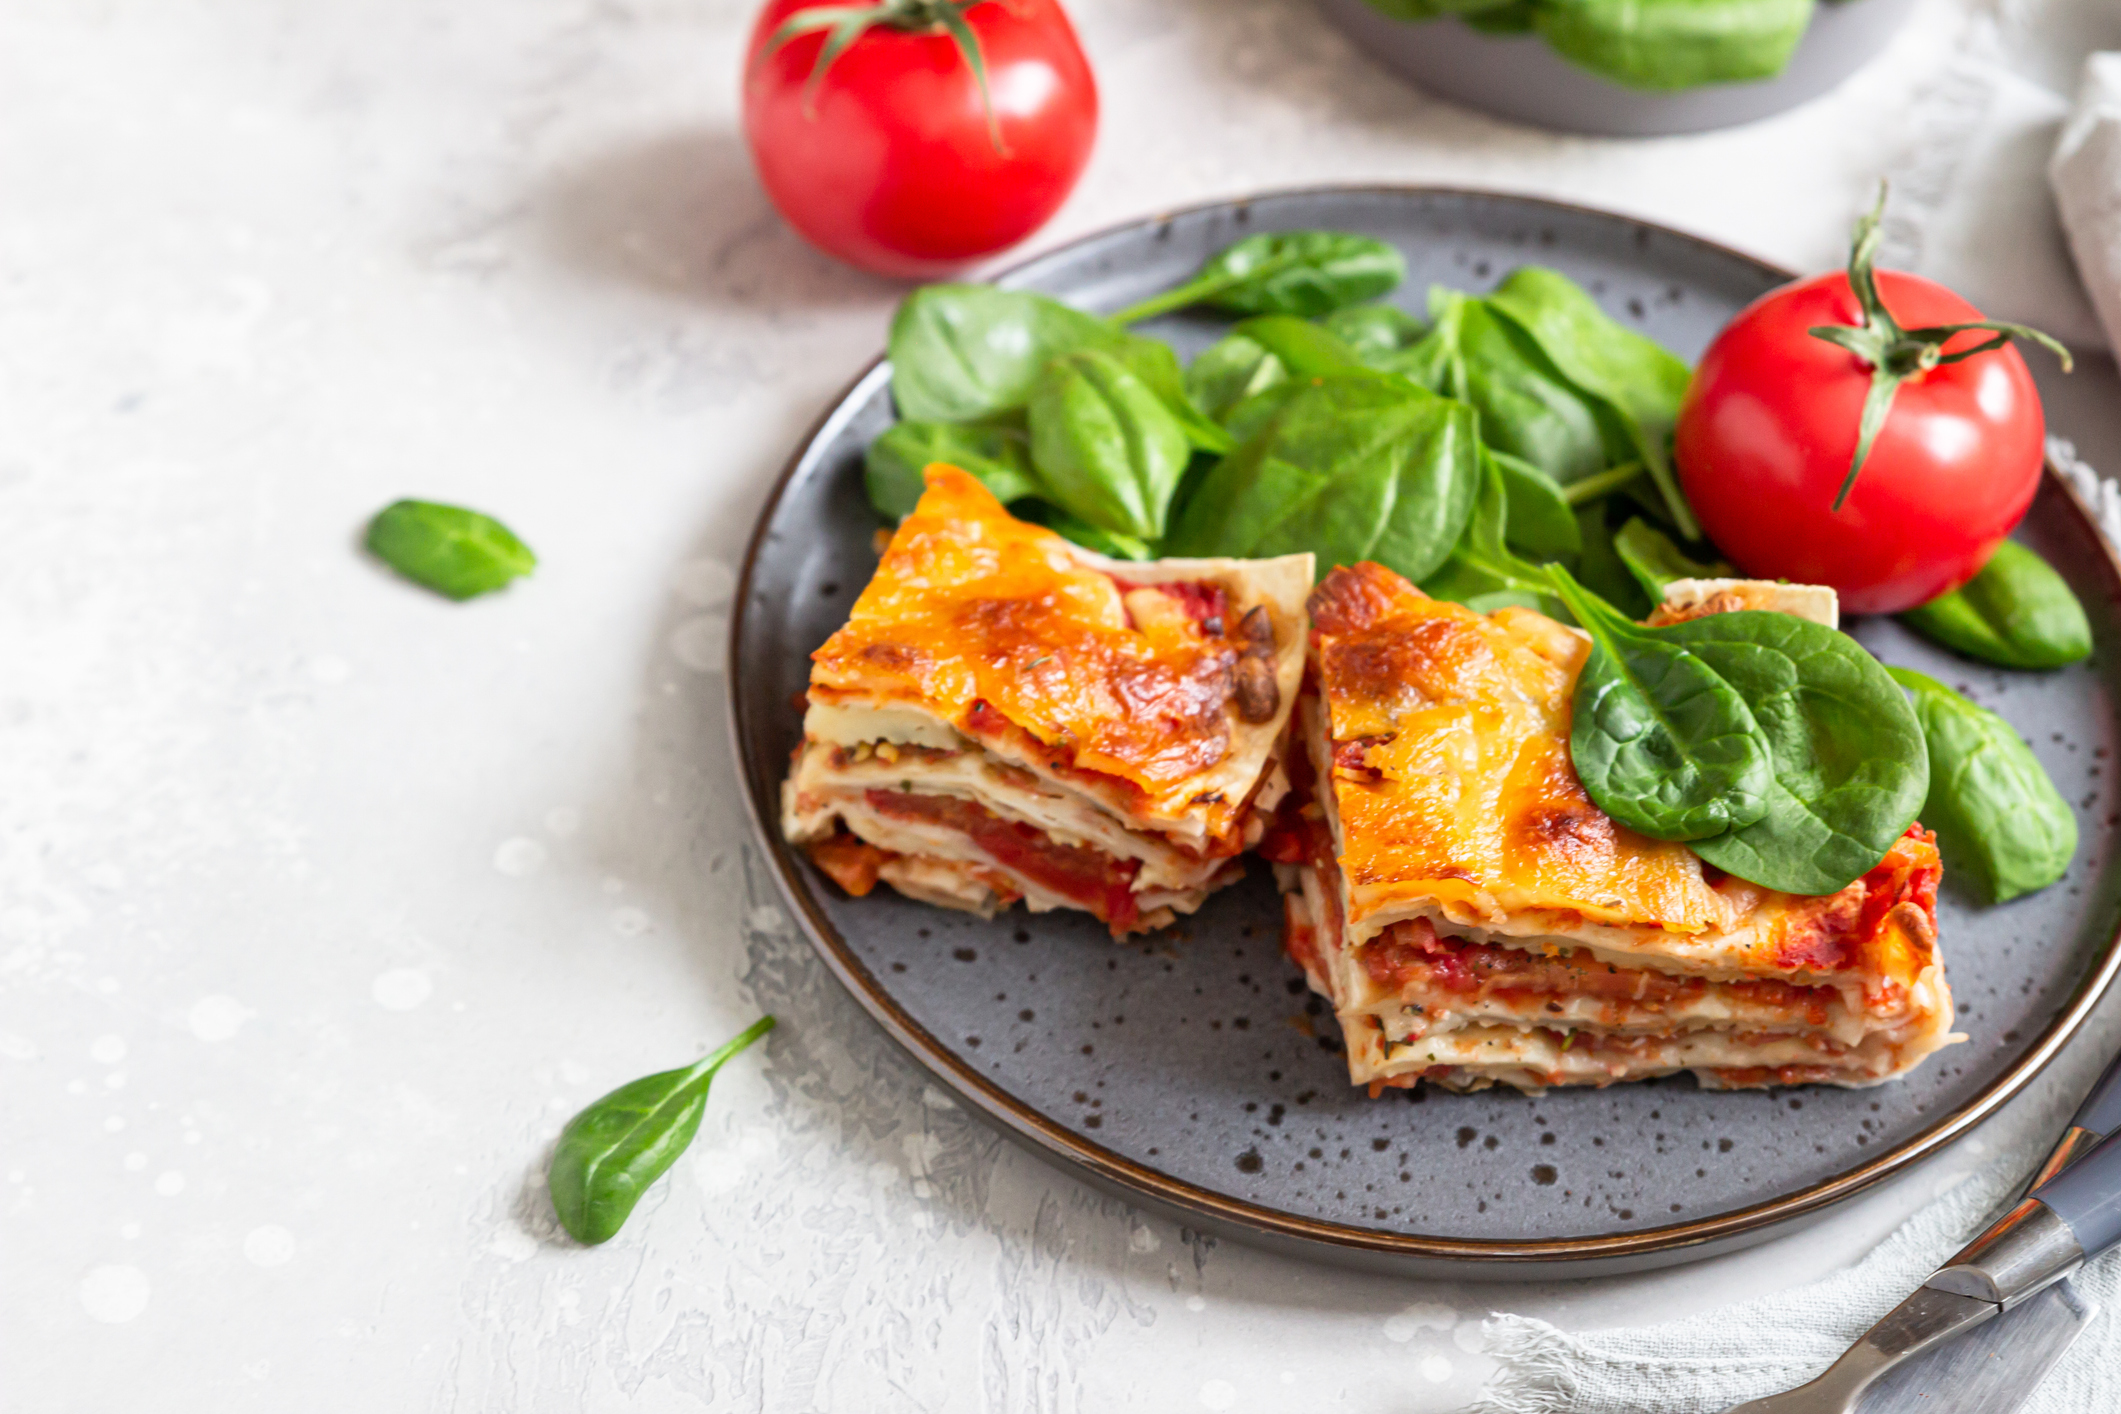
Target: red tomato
(891,164)
(1769,427)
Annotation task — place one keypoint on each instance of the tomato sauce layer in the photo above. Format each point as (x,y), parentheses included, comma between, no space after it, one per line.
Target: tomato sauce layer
(1089,878)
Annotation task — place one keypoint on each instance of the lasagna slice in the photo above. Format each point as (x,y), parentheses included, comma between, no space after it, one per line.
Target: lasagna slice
(1007,716)
(1475,919)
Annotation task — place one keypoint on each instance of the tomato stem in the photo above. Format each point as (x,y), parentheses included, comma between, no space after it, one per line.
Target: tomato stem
(1896,354)
(848,23)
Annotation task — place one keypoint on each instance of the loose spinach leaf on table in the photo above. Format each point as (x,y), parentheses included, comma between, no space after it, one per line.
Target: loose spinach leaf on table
(1106,448)
(971,353)
(1998,817)
(612,1151)
(1849,762)
(891,469)
(456,552)
(1227,372)
(1483,572)
(1661,740)
(1637,380)
(1289,272)
(1375,331)
(2017,612)
(1352,466)
(1655,561)
(1661,45)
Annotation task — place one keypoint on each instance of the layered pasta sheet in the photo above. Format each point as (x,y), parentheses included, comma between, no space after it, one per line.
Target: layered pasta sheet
(1009,717)
(1475,919)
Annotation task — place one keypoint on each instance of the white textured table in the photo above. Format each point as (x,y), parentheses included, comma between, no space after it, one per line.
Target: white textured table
(324,902)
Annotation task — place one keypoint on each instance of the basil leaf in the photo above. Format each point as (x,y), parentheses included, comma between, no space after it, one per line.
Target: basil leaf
(1655,561)
(1660,45)
(1105,446)
(1639,382)
(1227,372)
(1375,331)
(1305,349)
(1998,817)
(1482,572)
(1104,542)
(610,1152)
(1849,763)
(453,551)
(1542,522)
(1291,272)
(892,467)
(1660,740)
(971,353)
(2017,612)
(1352,466)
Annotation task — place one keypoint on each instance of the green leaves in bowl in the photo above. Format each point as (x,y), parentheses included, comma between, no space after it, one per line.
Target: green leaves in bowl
(1353,466)
(2017,613)
(456,552)
(1304,273)
(612,1151)
(2000,822)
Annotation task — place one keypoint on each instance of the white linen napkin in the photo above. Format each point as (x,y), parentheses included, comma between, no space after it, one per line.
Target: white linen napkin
(2086,176)
(1705,1365)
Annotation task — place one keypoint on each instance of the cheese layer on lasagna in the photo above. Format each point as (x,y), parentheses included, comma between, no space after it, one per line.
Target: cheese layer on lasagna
(1007,716)
(1475,918)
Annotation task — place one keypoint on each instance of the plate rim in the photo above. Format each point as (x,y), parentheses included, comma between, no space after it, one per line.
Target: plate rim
(1071,1150)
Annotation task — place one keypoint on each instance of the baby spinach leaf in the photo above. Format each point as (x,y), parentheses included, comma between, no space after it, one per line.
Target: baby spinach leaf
(892,467)
(1998,817)
(1661,741)
(1305,349)
(1090,537)
(1352,466)
(1227,372)
(1850,769)
(1483,573)
(1600,567)
(610,1152)
(971,353)
(2016,612)
(1527,407)
(1106,448)
(1655,561)
(1286,272)
(1375,331)
(1542,522)
(1660,45)
(1640,382)
(455,552)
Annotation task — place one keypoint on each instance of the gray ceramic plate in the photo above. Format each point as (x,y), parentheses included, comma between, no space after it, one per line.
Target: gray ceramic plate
(1194,1074)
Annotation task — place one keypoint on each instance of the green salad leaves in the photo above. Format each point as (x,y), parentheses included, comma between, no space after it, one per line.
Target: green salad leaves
(2017,613)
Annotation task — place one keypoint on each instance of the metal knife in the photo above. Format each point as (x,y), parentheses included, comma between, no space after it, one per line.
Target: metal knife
(2015,1270)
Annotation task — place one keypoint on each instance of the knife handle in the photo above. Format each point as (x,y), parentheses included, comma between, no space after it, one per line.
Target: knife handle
(2101,1110)
(2087,1196)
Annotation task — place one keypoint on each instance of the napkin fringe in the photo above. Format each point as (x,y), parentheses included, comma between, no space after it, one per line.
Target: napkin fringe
(1536,1367)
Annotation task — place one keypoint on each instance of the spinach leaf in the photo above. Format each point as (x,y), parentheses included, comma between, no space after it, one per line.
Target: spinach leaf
(1849,764)
(1227,372)
(1352,466)
(1305,349)
(1292,272)
(1997,815)
(1655,561)
(2017,612)
(1090,537)
(1660,45)
(1638,381)
(1527,407)
(1542,522)
(453,551)
(1661,741)
(1600,567)
(1107,449)
(971,353)
(610,1152)
(892,467)
(1375,331)
(1483,573)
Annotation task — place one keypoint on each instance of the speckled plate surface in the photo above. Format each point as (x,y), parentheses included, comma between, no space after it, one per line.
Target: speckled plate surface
(1194,1073)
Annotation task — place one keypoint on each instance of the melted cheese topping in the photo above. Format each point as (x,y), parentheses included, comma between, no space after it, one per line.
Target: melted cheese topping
(1451,777)
(1025,643)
